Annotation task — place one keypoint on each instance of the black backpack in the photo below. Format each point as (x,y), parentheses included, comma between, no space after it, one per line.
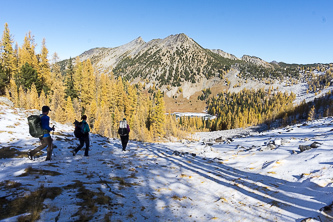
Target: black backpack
(78,129)
(35,126)
(123,131)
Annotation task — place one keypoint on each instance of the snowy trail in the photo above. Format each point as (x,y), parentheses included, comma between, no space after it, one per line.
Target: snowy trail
(238,181)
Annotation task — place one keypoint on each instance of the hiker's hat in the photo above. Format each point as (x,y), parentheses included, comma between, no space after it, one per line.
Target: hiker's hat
(45,109)
(124,119)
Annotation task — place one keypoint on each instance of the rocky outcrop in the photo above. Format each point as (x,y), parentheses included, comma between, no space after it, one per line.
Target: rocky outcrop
(224,54)
(257,61)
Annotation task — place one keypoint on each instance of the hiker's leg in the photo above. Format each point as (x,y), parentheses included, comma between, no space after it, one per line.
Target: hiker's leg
(86,140)
(126,141)
(123,142)
(49,147)
(80,146)
(39,148)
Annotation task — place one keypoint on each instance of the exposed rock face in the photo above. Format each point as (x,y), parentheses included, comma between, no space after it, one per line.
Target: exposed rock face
(169,63)
(257,61)
(176,60)
(225,54)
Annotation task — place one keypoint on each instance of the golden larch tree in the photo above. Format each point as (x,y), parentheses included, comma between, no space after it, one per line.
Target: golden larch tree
(69,111)
(44,69)
(8,58)
(26,53)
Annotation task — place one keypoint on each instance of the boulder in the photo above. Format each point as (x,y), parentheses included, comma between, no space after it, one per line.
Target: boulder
(302,148)
(271,146)
(315,145)
(219,140)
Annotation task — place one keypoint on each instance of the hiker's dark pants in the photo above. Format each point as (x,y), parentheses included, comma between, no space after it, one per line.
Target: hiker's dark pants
(124,141)
(46,141)
(83,140)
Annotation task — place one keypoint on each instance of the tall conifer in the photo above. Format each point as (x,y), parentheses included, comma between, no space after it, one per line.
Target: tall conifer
(8,60)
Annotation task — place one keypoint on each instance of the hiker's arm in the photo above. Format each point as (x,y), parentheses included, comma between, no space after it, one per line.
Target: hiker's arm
(45,123)
(128,128)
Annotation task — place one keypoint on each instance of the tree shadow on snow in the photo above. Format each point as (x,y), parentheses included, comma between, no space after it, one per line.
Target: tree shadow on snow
(294,197)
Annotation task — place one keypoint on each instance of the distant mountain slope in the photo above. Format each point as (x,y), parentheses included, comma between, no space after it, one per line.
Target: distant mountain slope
(168,61)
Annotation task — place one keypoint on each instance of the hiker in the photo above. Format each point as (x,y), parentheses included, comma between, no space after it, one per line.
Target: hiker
(46,139)
(84,138)
(123,131)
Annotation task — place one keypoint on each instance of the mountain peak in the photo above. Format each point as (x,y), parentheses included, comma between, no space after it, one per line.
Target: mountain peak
(139,40)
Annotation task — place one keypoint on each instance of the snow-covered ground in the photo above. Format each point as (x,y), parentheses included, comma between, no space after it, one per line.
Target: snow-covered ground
(252,177)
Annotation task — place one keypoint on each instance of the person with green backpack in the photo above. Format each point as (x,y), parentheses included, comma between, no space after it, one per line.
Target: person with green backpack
(46,139)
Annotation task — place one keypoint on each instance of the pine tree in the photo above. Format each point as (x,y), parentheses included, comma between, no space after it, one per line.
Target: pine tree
(91,112)
(115,120)
(44,71)
(28,104)
(34,101)
(78,68)
(22,98)
(77,109)
(119,94)
(69,111)
(58,102)
(70,88)
(27,53)
(158,119)
(104,89)
(4,79)
(13,92)
(26,76)
(8,60)
(43,99)
(88,92)
(311,114)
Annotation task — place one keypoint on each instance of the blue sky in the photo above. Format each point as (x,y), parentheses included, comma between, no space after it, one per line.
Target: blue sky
(290,31)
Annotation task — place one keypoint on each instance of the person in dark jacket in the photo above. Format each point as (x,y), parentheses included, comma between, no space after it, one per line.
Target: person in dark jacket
(46,140)
(124,134)
(85,137)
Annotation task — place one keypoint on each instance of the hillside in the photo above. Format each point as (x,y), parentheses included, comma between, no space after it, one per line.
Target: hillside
(182,69)
(244,175)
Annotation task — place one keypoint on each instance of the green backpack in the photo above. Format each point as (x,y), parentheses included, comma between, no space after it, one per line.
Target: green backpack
(35,126)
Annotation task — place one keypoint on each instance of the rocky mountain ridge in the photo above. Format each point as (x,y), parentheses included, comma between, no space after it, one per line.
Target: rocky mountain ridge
(178,61)
(107,59)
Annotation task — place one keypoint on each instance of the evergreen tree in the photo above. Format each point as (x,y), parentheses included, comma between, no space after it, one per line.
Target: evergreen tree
(13,92)
(4,79)
(158,119)
(88,92)
(78,68)
(26,53)
(70,88)
(27,76)
(22,98)
(44,71)
(69,111)
(58,102)
(8,61)
(311,114)
(34,100)
(77,109)
(43,100)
